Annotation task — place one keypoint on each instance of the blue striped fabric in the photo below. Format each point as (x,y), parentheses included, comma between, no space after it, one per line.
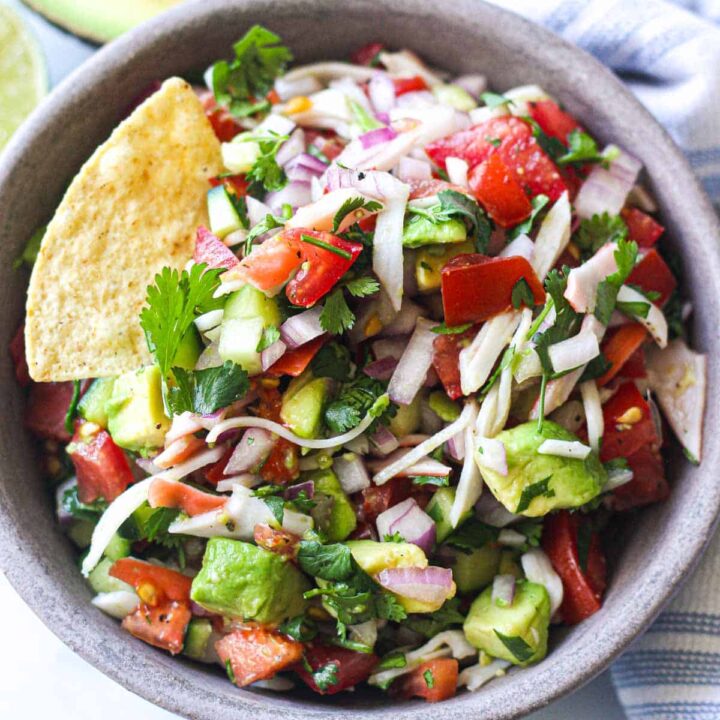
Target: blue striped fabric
(669,55)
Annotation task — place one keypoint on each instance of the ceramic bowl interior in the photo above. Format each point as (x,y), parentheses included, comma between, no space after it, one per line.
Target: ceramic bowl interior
(655,550)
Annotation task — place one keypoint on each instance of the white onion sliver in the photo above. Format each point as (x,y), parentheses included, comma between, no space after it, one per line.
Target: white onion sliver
(538,569)
(287,89)
(245,479)
(503,590)
(414,364)
(351,473)
(457,170)
(209,320)
(410,168)
(618,477)
(426,447)
(522,245)
(470,482)
(553,236)
(654,321)
(475,676)
(491,455)
(574,352)
(565,448)
(511,538)
(382,92)
(117,604)
(583,281)
(302,328)
(593,413)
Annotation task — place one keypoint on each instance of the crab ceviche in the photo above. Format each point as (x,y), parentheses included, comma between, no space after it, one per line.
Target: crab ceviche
(376,356)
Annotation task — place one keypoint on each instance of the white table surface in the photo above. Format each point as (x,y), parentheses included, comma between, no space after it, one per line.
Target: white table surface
(41,678)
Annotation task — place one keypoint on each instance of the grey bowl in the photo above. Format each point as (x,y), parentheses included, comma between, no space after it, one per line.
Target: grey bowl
(656,550)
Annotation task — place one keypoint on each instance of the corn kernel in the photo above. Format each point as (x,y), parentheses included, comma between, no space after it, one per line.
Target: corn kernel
(630,416)
(147,593)
(373,325)
(298,104)
(269,382)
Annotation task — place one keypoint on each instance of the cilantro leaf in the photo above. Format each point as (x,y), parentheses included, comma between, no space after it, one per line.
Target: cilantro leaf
(430,624)
(599,230)
(362,286)
(300,628)
(625,257)
(553,147)
(443,481)
(328,562)
(173,302)
(355,400)
(541,488)
(208,390)
(72,408)
(269,222)
(532,530)
(598,366)
(538,204)
(265,174)
(79,510)
(395,659)
(495,100)
(336,316)
(634,309)
(352,205)
(387,607)
(521,651)
(457,204)
(243,83)
(326,676)
(472,535)
(396,537)
(429,679)
(276,505)
(270,335)
(333,361)
(582,149)
(522,295)
(443,329)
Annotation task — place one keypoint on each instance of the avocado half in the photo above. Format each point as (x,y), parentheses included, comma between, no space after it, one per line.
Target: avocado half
(99,21)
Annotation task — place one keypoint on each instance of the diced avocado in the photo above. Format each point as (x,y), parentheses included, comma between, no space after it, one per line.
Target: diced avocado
(249,302)
(224,217)
(454,96)
(439,510)
(136,415)
(240,155)
(407,418)
(80,532)
(537,484)
(419,231)
(196,638)
(189,350)
(92,405)
(101,581)
(509,564)
(239,340)
(332,513)
(431,260)
(443,406)
(245,581)
(118,547)
(474,570)
(518,632)
(303,403)
(373,556)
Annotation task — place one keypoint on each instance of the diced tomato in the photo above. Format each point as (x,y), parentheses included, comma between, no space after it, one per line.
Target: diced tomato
(280,542)
(281,466)
(327,142)
(367,54)
(498,190)
(17,353)
(652,274)
(476,287)
(234,184)
(619,347)
(378,498)
(320,268)
(101,466)
(409,84)
(216,472)
(272,97)
(553,120)
(512,139)
(634,366)
(350,668)
(643,229)
(172,494)
(427,187)
(446,360)
(163,626)
(46,409)
(294,361)
(270,265)
(256,653)
(648,484)
(155,584)
(583,588)
(434,680)
(629,424)
(211,250)
(223,123)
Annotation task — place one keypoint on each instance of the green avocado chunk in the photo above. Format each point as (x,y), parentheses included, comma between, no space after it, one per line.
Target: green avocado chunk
(537,484)
(419,231)
(333,513)
(92,405)
(245,581)
(474,570)
(518,632)
(136,414)
(303,403)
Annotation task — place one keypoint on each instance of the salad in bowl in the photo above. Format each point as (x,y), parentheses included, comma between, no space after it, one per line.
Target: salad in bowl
(340,372)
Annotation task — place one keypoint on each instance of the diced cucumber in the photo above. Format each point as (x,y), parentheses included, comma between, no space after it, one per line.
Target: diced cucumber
(224,218)
(196,638)
(454,96)
(102,582)
(249,302)
(239,156)
(439,510)
(189,350)
(239,340)
(118,547)
(80,532)
(92,403)
(443,406)
(419,231)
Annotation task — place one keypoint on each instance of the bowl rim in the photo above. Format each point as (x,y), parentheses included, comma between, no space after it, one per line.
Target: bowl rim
(184,698)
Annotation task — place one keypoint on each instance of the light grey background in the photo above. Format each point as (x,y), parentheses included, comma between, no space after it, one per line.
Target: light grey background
(40,677)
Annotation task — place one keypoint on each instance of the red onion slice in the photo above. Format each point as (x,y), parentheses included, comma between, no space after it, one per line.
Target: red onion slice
(382,369)
(392,347)
(186,423)
(491,512)
(405,321)
(431,584)
(456,447)
(381,90)
(271,354)
(293,491)
(503,590)
(386,519)
(302,328)
(296,194)
(410,168)
(383,441)
(291,148)
(253,449)
(473,84)
(377,137)
(351,473)
(414,364)
(415,527)
(607,190)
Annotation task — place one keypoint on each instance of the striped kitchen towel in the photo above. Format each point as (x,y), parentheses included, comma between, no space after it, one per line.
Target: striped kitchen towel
(668,53)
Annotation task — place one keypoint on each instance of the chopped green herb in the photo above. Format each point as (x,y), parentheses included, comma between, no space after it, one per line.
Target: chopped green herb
(634,309)
(471,535)
(363,119)
(333,361)
(443,329)
(266,175)
(521,651)
(300,628)
(582,149)
(522,295)
(395,659)
(354,205)
(599,230)
(270,335)
(429,679)
(72,408)
(538,204)
(396,537)
(336,316)
(310,240)
(495,100)
(206,391)
(326,676)
(277,507)
(625,257)
(442,481)
(530,492)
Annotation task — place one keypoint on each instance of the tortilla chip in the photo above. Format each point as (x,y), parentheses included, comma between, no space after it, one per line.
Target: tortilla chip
(133,208)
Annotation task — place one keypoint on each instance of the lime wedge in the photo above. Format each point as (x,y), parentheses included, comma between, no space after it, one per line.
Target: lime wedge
(23,77)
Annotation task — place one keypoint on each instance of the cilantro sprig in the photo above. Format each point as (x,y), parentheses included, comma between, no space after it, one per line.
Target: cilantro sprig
(336,316)
(208,390)
(354,205)
(266,175)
